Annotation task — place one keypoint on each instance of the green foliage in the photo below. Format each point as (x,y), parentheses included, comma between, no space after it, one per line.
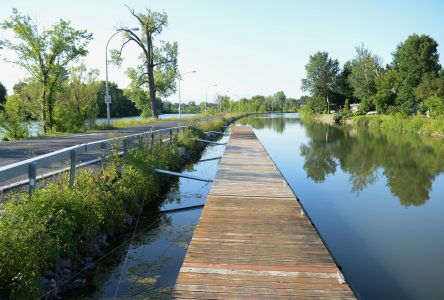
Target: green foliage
(3,94)
(428,88)
(342,89)
(347,105)
(341,116)
(62,222)
(433,105)
(279,99)
(45,55)
(121,106)
(214,124)
(78,108)
(386,93)
(366,68)
(187,138)
(17,110)
(402,123)
(321,75)
(414,60)
(13,127)
(157,71)
(315,105)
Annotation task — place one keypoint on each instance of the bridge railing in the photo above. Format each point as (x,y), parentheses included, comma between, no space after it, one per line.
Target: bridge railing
(30,166)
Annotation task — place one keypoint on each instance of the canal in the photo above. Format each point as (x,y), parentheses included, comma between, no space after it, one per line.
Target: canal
(376,198)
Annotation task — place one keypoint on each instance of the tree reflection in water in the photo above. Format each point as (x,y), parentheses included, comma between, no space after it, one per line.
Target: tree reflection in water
(409,162)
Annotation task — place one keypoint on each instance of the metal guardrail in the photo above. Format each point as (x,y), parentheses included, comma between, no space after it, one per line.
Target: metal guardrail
(30,166)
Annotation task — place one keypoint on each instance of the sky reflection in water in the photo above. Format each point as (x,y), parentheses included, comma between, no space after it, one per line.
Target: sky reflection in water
(375,196)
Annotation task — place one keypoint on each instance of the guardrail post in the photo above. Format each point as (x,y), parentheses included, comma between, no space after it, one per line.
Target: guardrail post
(140,142)
(103,148)
(161,138)
(152,139)
(72,170)
(32,176)
(125,148)
(171,135)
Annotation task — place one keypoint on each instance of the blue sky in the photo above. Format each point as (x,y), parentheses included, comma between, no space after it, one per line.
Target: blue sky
(246,47)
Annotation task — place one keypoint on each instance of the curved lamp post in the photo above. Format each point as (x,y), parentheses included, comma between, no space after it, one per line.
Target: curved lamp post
(206,96)
(180,79)
(107,95)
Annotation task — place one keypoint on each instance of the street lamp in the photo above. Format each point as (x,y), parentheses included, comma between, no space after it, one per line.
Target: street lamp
(206,96)
(107,95)
(180,79)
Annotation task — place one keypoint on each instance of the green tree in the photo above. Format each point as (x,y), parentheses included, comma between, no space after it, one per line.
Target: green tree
(321,75)
(414,60)
(279,100)
(45,55)
(121,106)
(347,105)
(430,87)
(157,71)
(79,105)
(3,94)
(385,96)
(342,89)
(366,68)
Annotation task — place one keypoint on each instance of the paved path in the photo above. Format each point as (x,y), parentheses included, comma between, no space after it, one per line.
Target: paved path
(15,151)
(252,240)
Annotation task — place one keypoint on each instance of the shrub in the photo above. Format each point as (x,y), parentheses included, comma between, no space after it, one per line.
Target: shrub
(434,105)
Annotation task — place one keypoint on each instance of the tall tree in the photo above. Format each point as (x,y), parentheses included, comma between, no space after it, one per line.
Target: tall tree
(343,90)
(79,104)
(3,94)
(366,68)
(385,96)
(321,75)
(279,100)
(414,60)
(158,63)
(122,106)
(45,55)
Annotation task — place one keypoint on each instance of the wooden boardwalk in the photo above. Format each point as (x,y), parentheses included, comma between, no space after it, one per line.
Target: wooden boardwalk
(252,241)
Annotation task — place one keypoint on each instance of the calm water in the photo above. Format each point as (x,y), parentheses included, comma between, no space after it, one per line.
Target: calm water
(376,197)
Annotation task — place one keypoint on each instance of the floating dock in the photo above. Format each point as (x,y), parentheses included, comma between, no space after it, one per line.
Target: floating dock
(253,240)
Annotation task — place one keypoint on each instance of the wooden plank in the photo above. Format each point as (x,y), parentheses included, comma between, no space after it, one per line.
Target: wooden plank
(252,240)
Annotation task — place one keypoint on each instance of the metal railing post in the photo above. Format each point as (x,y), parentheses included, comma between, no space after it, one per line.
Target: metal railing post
(32,176)
(152,139)
(171,135)
(72,170)
(125,148)
(161,138)
(103,148)
(140,142)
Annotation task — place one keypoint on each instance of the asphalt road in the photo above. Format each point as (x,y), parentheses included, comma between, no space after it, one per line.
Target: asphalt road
(14,151)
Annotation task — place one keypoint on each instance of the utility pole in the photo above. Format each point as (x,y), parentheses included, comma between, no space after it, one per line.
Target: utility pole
(180,79)
(107,95)
(206,96)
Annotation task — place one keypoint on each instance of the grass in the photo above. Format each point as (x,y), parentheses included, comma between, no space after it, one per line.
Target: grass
(58,222)
(414,124)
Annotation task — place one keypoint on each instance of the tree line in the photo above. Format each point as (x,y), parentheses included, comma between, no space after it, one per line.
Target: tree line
(412,82)
(65,95)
